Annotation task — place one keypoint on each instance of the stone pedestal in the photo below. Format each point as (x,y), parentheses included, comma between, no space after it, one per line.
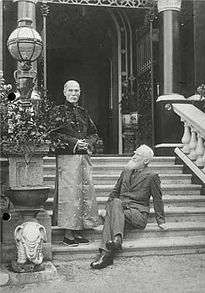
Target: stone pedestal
(49,273)
(8,246)
(27,194)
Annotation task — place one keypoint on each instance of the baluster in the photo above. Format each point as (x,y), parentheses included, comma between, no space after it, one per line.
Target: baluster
(199,152)
(192,145)
(186,138)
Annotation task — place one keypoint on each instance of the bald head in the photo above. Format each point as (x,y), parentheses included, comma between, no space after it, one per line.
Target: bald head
(72,91)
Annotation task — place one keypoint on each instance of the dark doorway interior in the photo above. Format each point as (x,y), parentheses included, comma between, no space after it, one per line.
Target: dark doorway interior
(80,47)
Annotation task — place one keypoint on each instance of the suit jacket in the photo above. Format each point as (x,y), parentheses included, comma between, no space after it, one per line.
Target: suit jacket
(73,123)
(135,187)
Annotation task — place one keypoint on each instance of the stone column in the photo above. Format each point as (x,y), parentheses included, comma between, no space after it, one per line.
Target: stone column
(169,46)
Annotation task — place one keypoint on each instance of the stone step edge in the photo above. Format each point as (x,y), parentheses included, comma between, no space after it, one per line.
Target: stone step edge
(162,176)
(117,158)
(167,210)
(169,176)
(121,166)
(163,186)
(139,244)
(152,227)
(166,198)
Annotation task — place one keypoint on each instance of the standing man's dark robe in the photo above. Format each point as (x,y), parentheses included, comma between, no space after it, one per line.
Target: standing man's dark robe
(75,207)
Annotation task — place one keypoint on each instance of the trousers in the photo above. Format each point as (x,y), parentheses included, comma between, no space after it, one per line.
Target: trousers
(118,219)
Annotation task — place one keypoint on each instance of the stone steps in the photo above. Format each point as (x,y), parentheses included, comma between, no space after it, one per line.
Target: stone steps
(172,214)
(116,169)
(136,247)
(176,229)
(122,160)
(104,190)
(165,179)
(167,189)
(184,211)
(169,200)
(111,179)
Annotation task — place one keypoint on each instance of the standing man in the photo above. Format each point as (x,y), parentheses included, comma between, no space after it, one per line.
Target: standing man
(75,207)
(129,204)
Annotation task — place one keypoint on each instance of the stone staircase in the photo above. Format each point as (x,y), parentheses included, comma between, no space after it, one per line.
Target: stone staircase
(184,209)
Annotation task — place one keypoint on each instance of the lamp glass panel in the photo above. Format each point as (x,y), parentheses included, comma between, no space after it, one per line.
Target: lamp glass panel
(14,51)
(37,52)
(26,50)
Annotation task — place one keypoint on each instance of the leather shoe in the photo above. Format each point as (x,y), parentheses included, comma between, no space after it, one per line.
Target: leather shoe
(70,242)
(81,240)
(103,261)
(115,245)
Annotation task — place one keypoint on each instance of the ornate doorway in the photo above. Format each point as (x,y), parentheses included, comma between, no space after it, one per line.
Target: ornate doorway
(81,44)
(93,45)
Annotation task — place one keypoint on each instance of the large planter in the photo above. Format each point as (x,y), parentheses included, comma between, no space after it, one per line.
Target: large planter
(31,197)
(25,171)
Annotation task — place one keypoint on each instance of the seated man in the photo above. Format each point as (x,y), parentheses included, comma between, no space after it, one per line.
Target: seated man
(129,203)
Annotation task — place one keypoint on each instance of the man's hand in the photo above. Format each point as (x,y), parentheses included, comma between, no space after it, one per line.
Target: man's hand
(163,227)
(82,144)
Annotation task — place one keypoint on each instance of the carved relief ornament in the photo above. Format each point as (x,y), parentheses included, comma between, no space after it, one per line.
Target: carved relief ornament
(164,5)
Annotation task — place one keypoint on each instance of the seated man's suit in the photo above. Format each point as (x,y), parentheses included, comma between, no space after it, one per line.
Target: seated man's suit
(129,203)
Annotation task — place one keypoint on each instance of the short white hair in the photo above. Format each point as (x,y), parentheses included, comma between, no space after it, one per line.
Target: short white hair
(69,83)
(146,151)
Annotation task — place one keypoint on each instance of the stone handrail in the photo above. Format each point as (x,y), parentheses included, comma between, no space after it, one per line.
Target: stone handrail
(193,139)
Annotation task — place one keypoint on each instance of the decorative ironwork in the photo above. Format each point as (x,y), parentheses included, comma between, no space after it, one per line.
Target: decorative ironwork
(145,4)
(144,105)
(143,54)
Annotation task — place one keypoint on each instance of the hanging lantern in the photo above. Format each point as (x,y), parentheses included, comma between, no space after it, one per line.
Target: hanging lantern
(25,43)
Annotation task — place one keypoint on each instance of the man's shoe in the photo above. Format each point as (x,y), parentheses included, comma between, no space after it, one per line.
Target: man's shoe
(70,242)
(82,240)
(115,245)
(103,261)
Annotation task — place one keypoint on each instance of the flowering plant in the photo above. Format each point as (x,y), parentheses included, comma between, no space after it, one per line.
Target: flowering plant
(25,125)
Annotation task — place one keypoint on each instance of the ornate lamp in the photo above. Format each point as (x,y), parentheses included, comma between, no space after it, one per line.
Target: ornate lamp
(25,45)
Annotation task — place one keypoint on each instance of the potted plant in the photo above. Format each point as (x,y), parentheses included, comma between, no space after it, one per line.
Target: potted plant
(25,132)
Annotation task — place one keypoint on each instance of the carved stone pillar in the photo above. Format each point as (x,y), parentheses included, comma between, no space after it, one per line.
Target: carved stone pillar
(169,46)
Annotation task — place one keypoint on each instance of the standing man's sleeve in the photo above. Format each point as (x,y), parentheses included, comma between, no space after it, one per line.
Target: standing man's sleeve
(157,199)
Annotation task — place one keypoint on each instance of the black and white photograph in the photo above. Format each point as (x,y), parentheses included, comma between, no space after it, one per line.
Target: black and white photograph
(102,146)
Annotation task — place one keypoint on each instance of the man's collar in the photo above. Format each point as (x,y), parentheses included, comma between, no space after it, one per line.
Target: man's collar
(70,105)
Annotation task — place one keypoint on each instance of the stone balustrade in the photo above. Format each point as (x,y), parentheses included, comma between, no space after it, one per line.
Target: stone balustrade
(194,133)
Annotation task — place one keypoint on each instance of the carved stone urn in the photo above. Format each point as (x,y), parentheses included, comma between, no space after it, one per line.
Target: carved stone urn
(28,194)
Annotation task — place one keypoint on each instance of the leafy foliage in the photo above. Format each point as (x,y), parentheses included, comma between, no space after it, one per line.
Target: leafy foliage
(25,127)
